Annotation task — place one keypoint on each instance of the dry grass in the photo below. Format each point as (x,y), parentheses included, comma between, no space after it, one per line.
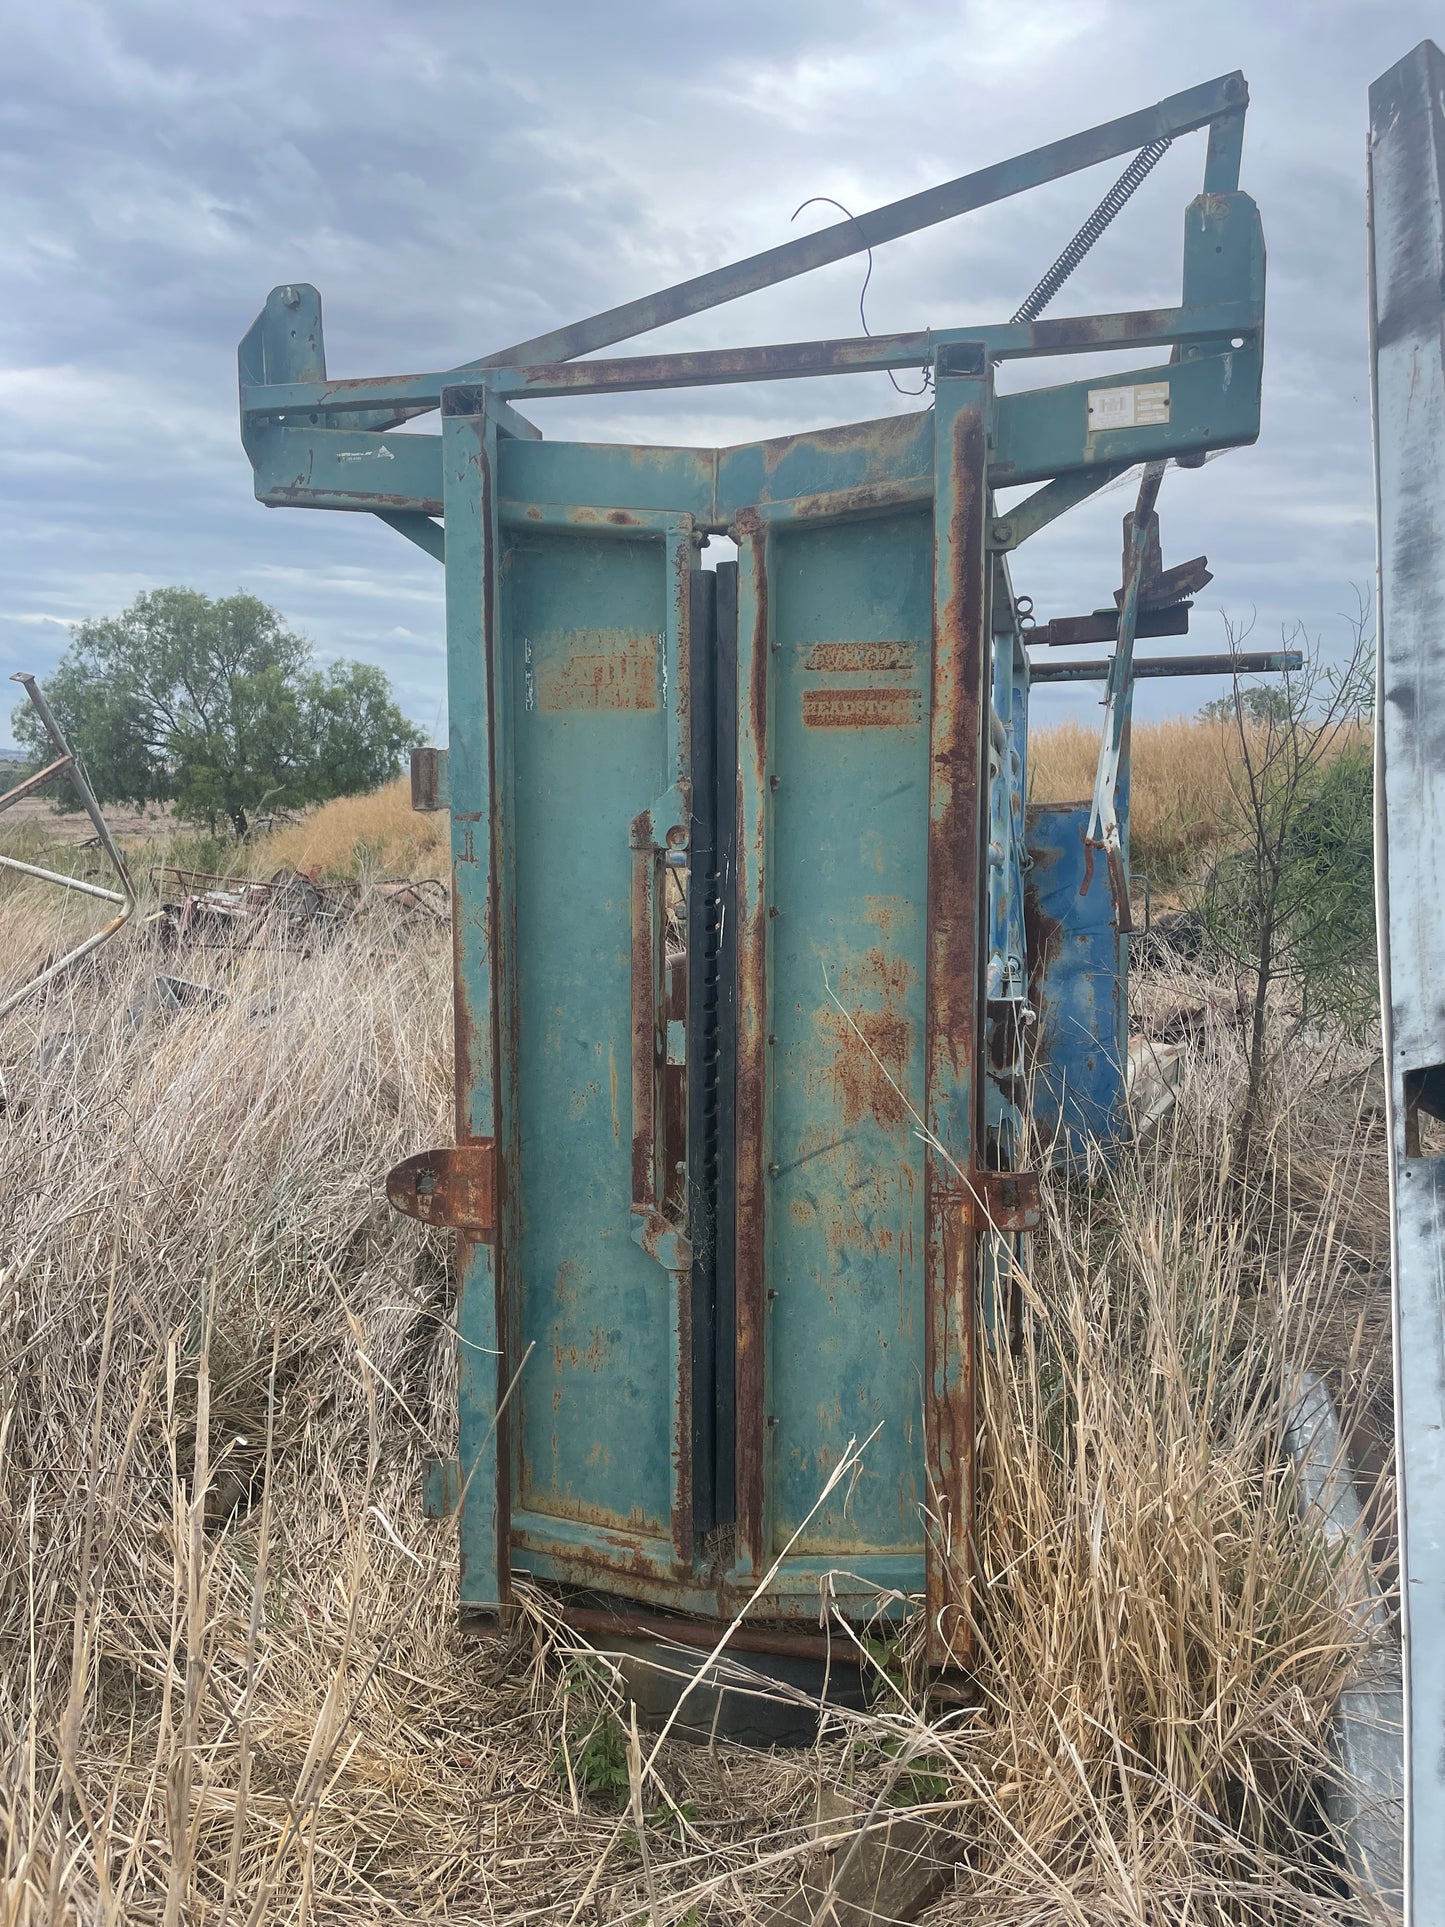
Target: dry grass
(231,1687)
(1180,801)
(377,835)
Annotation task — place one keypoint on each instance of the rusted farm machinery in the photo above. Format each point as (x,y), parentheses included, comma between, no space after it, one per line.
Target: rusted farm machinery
(738,1179)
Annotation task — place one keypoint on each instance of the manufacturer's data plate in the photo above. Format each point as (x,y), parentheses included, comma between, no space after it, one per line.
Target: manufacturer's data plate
(1145,404)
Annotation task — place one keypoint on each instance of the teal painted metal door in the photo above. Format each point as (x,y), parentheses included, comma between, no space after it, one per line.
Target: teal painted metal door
(847,834)
(593,630)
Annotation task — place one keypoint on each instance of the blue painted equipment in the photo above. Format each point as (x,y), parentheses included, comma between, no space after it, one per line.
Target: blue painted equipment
(748,984)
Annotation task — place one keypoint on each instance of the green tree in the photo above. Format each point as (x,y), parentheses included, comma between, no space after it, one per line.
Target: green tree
(1256,702)
(1291,902)
(217,707)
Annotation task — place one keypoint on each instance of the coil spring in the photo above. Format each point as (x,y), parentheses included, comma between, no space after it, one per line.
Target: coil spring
(1133,176)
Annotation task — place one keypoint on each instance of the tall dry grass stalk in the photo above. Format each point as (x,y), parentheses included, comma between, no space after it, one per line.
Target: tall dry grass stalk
(231,1687)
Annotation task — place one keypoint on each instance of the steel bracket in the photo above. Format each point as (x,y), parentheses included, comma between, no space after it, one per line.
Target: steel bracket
(455,1187)
(1001,1200)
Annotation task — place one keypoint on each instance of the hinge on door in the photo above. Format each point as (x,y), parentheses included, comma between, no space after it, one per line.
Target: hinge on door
(441,1488)
(1001,1200)
(455,1186)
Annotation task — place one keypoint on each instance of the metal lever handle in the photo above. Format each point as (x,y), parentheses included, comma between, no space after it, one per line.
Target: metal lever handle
(653,1153)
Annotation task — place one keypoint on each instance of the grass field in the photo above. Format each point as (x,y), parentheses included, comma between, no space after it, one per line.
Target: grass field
(1182,804)
(377,835)
(232,1687)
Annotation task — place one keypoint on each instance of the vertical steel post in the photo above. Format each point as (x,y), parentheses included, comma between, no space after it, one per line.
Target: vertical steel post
(1407,271)
(469,458)
(752,1095)
(957,906)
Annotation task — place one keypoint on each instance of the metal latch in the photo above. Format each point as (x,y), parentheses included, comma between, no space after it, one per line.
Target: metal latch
(455,1186)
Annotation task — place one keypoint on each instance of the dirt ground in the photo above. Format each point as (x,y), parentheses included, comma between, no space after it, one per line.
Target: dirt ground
(73,826)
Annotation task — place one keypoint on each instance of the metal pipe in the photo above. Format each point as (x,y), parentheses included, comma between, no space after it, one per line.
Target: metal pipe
(78,778)
(35,782)
(125,896)
(65,882)
(1178,114)
(1103,831)
(778,361)
(1255,663)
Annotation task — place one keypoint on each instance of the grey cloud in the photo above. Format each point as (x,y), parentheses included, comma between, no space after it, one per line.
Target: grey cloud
(455,177)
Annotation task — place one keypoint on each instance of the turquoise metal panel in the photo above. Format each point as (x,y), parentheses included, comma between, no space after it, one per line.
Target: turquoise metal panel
(1212,403)
(609,475)
(851,611)
(339,468)
(590,637)
(863,456)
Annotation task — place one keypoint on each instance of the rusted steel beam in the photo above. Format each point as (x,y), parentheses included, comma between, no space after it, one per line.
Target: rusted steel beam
(782,361)
(1068,632)
(957,869)
(751,1121)
(1109,811)
(1178,114)
(1261,662)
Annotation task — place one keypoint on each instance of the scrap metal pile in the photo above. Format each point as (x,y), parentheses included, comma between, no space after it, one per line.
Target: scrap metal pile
(292,908)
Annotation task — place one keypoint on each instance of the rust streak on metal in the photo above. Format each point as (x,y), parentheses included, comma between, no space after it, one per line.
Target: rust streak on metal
(956,870)
(751,1098)
(682,1535)
(427,787)
(878,439)
(870,1064)
(886,708)
(708,365)
(867,498)
(644,1012)
(667,1627)
(302,494)
(1072,332)
(999,1200)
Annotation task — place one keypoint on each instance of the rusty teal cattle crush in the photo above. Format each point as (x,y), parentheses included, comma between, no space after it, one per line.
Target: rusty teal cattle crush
(769,996)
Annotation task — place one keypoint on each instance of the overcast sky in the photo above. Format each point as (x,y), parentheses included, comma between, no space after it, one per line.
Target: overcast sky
(453,177)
